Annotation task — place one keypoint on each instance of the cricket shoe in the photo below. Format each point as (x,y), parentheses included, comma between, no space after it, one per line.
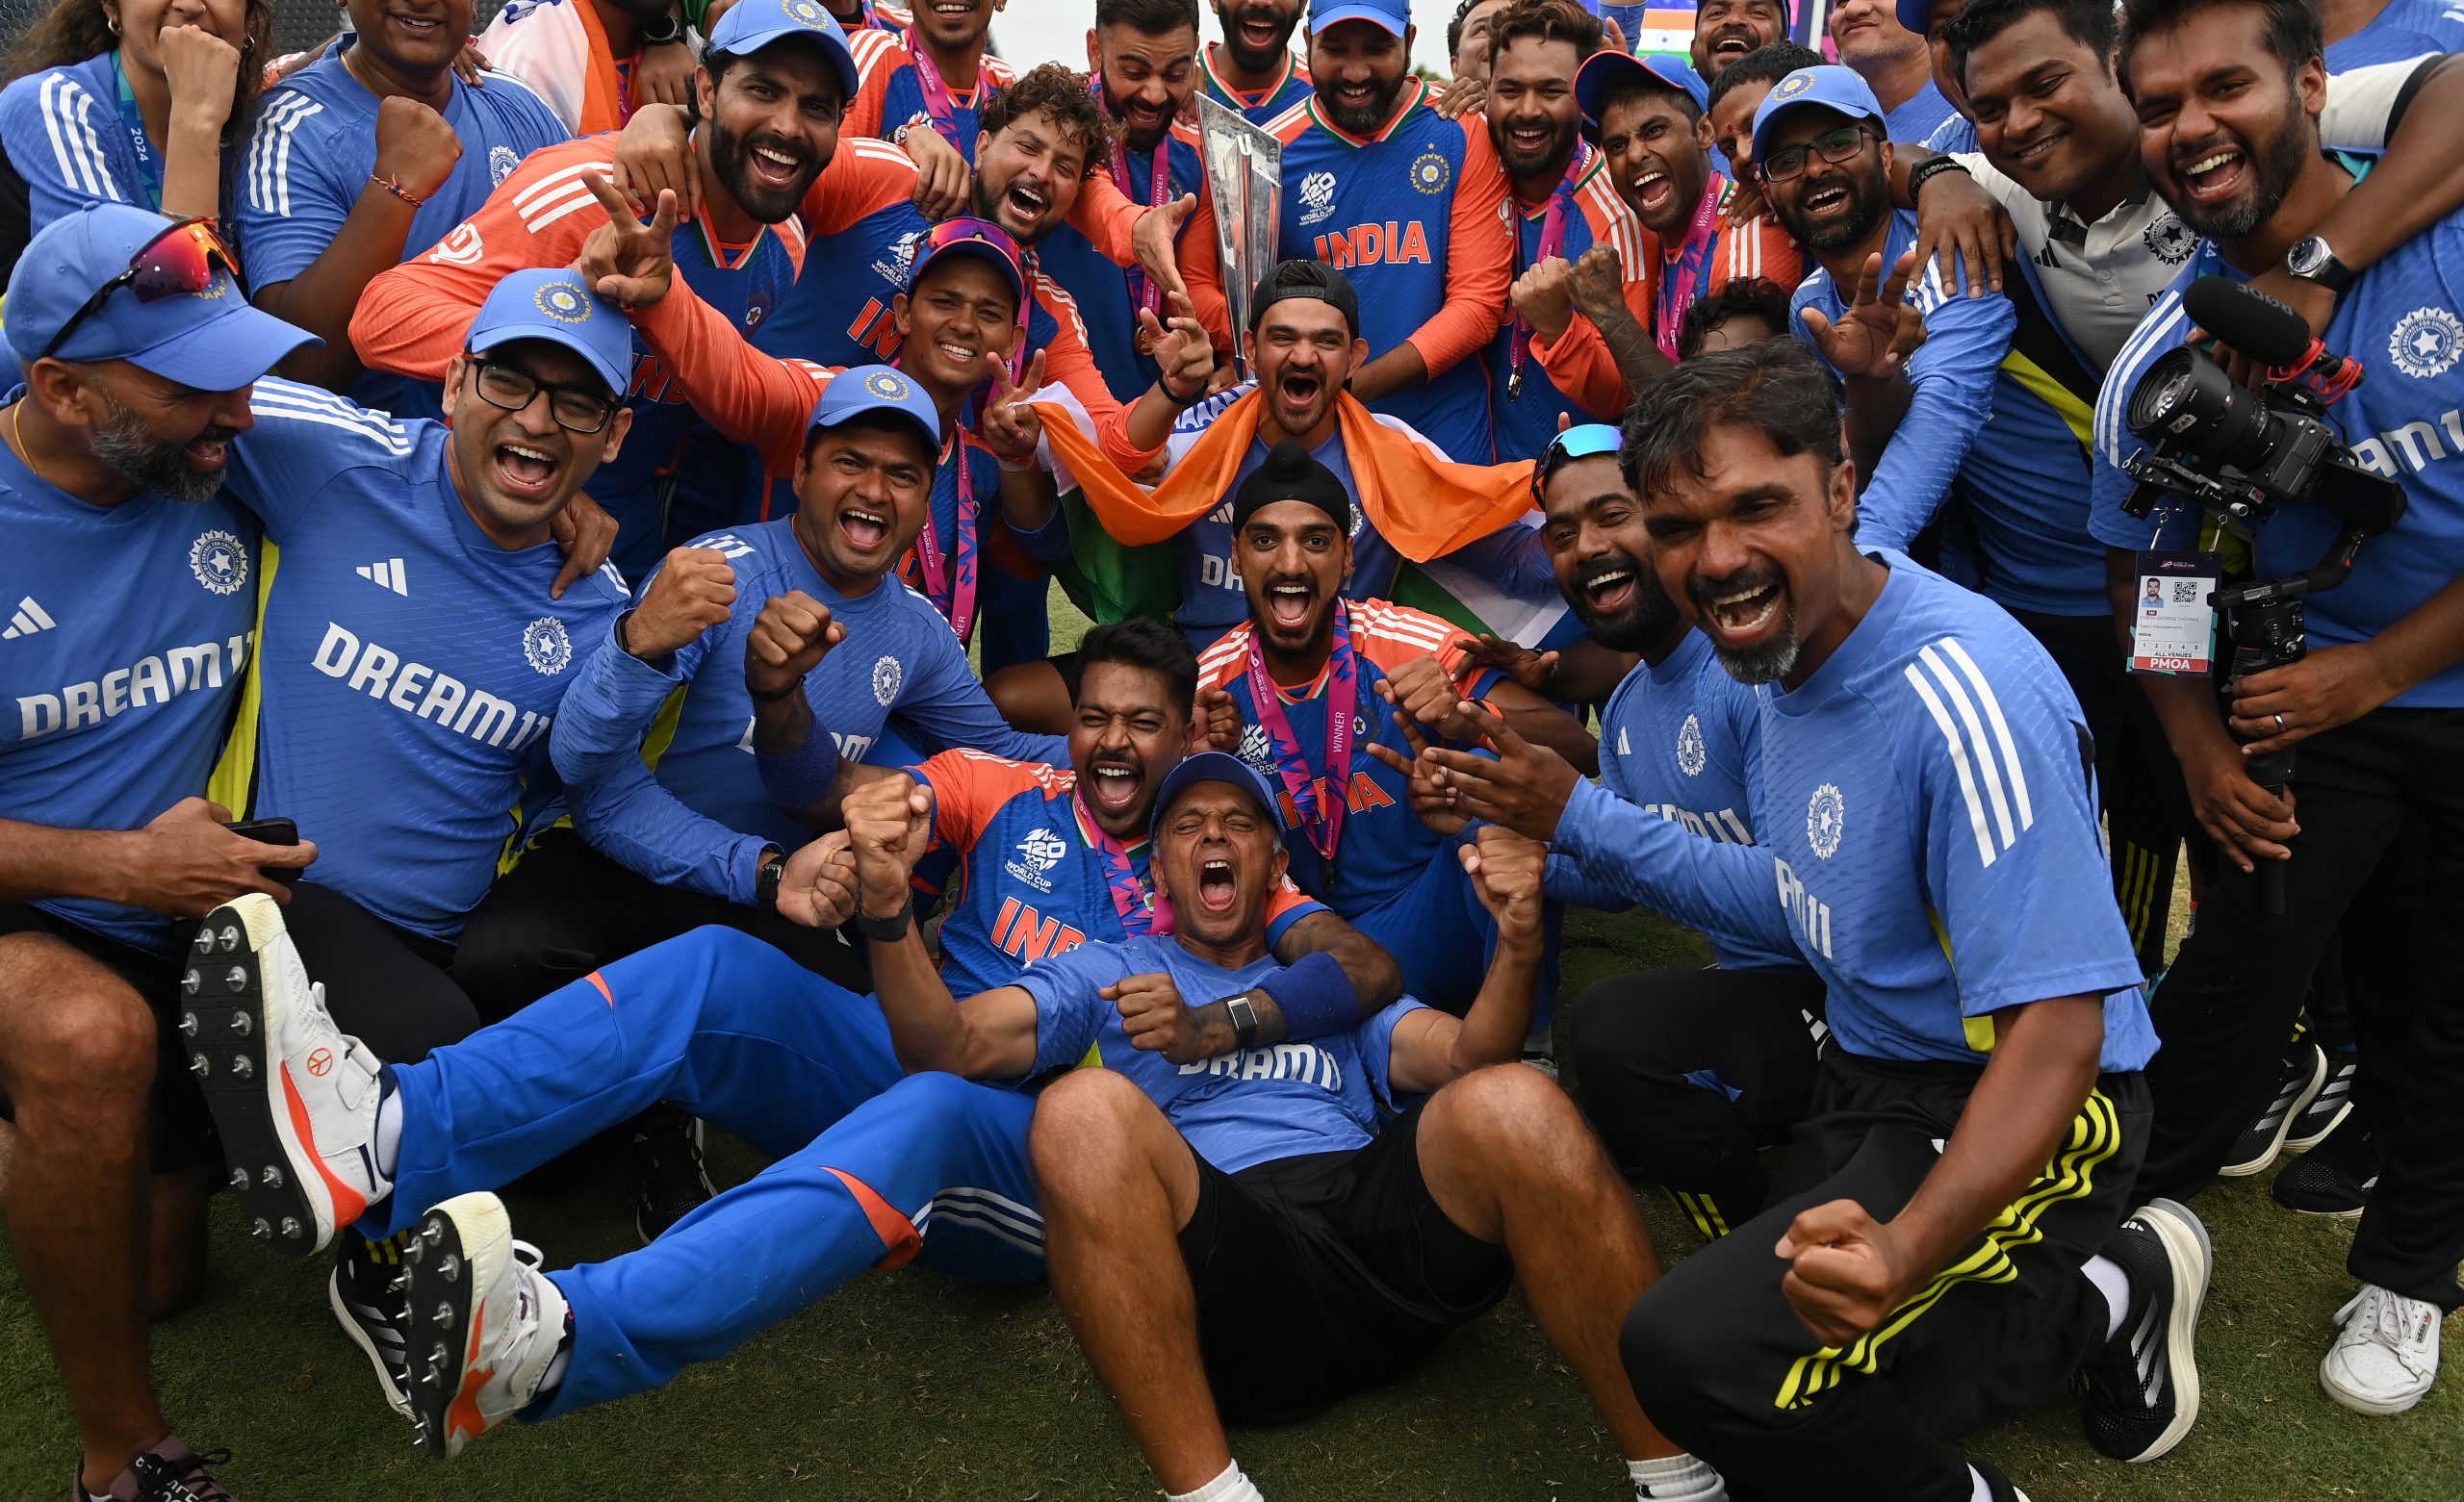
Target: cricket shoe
(2385,1359)
(485,1324)
(2142,1388)
(366,1293)
(669,1180)
(2305,1074)
(293,1097)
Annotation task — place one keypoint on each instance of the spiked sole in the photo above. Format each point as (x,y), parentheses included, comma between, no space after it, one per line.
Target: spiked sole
(440,1330)
(367,1344)
(222,1027)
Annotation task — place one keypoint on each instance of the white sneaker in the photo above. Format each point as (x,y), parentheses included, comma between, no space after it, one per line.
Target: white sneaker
(293,1097)
(485,1324)
(2386,1356)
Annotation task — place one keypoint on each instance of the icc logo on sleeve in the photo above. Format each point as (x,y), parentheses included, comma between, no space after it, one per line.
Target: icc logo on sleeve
(546,646)
(1826,819)
(219,562)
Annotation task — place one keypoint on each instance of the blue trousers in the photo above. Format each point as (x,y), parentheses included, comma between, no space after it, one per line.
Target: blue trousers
(1438,932)
(873,1166)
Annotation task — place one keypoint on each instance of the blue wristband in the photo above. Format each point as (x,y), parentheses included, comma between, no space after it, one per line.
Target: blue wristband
(1317,998)
(802,778)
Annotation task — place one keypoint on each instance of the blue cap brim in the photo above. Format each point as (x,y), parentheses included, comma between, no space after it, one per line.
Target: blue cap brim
(981,251)
(222,355)
(1320,21)
(1215,766)
(824,415)
(618,380)
(841,60)
(1601,70)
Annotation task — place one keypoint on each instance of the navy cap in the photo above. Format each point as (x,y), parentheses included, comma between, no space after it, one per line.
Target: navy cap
(1215,766)
(1830,87)
(876,387)
(211,340)
(1394,15)
(1601,70)
(751,25)
(981,238)
(1916,14)
(556,307)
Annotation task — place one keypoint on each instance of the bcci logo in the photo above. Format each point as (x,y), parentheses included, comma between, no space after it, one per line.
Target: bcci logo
(806,12)
(889,387)
(1689,747)
(219,562)
(757,309)
(1431,173)
(1793,84)
(887,676)
(1038,853)
(1318,197)
(546,646)
(1826,819)
(500,165)
(2169,241)
(2425,343)
(1256,748)
(563,302)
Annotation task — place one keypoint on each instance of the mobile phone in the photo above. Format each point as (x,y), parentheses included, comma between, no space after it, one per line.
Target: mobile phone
(270,831)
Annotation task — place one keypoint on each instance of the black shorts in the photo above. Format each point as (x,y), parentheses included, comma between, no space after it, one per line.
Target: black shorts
(181,1128)
(1325,1275)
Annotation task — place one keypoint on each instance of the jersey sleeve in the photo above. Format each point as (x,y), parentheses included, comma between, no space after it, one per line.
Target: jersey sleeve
(1565,880)
(1580,366)
(2365,104)
(946,705)
(1376,1040)
(875,62)
(1202,268)
(1067,362)
(51,124)
(753,399)
(289,210)
(1645,859)
(303,437)
(1953,377)
(968,787)
(2109,484)
(864,176)
(1479,259)
(633,821)
(611,704)
(1285,905)
(1759,249)
(1108,217)
(1069,1009)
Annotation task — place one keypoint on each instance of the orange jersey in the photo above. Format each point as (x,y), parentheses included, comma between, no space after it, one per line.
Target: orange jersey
(889,94)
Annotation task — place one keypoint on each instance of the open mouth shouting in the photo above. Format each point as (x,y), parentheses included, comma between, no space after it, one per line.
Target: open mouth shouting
(1218,888)
(1297,390)
(1652,189)
(1256,32)
(1289,602)
(1114,786)
(775,164)
(1826,200)
(1023,206)
(865,529)
(1743,608)
(524,471)
(1609,587)
(2212,172)
(1729,44)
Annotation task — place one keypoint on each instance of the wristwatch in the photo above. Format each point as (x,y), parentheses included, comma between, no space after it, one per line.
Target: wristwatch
(2313,259)
(767,876)
(885,931)
(1244,1018)
(662,30)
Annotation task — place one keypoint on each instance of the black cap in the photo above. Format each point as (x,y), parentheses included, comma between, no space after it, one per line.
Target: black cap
(1291,474)
(1311,279)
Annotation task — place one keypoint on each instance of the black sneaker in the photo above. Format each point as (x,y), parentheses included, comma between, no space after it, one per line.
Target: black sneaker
(2142,1388)
(2337,1177)
(167,1472)
(2305,1074)
(1997,1486)
(669,1181)
(366,1293)
(2314,1121)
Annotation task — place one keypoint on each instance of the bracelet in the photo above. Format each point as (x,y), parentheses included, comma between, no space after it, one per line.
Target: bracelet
(1006,467)
(775,695)
(885,931)
(1922,171)
(395,187)
(1182,403)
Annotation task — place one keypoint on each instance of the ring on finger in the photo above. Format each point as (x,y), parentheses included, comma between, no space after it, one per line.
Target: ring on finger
(2279,721)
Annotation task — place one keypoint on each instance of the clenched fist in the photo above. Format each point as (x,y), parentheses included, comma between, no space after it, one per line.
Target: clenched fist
(694,592)
(415,146)
(788,640)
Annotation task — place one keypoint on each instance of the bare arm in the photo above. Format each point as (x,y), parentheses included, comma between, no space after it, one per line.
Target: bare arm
(1432,1047)
(182,864)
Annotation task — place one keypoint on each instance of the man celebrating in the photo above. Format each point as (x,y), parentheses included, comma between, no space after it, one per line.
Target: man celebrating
(1253,69)
(926,87)
(1727,30)
(1929,1275)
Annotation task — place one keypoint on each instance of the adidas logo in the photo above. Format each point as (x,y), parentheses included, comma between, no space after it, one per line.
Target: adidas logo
(388,574)
(28,619)
(1622,749)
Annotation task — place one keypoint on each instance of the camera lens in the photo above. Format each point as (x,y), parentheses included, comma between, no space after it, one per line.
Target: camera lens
(2187,401)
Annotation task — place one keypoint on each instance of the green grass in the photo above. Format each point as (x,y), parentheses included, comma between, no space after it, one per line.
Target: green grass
(911,1385)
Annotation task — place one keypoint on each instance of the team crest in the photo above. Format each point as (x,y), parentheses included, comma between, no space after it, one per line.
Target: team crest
(546,646)
(2425,343)
(2169,241)
(1826,818)
(889,387)
(1793,84)
(219,562)
(1256,748)
(755,309)
(500,165)
(1689,747)
(563,302)
(215,286)
(1316,198)
(886,677)
(1038,853)
(806,12)
(1431,173)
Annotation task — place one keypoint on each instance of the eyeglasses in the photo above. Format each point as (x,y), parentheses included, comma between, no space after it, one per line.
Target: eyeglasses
(575,411)
(177,262)
(1836,145)
(1587,440)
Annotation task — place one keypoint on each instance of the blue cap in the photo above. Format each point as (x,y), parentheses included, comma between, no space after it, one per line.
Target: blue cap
(212,340)
(751,25)
(876,387)
(1830,87)
(555,306)
(1215,766)
(1602,69)
(1916,14)
(972,237)
(1395,16)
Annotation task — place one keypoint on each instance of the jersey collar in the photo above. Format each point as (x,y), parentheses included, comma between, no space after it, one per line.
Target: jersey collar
(1871,637)
(1405,104)
(1242,98)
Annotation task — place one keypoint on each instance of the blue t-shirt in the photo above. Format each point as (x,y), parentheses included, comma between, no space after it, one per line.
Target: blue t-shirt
(1678,739)
(2404,420)
(661,762)
(124,641)
(1929,832)
(1956,133)
(1100,287)
(410,667)
(1255,1106)
(2405,29)
(1919,116)
(74,140)
(310,151)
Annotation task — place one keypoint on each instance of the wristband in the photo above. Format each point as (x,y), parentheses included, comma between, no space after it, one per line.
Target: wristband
(1006,467)
(395,187)
(1923,172)
(1316,996)
(802,776)
(1182,403)
(885,931)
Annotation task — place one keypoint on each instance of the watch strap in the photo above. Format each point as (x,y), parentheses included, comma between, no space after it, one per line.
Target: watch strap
(1243,1013)
(663,30)
(885,931)
(2327,269)
(766,879)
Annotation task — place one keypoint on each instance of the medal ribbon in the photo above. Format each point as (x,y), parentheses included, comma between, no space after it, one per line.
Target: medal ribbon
(1681,275)
(1159,191)
(938,103)
(149,162)
(950,583)
(1139,914)
(1553,243)
(1324,825)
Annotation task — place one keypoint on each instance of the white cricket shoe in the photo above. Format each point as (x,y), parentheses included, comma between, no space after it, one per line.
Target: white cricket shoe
(485,1324)
(2385,1358)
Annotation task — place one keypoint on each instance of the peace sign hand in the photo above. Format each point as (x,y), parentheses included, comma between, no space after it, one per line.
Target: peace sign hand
(1184,358)
(1009,426)
(1434,805)
(627,262)
(1866,342)
(1526,788)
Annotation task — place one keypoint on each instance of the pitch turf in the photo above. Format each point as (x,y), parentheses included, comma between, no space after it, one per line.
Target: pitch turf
(907,1386)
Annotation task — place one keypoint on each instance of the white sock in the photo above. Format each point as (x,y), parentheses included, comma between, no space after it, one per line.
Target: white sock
(1679,1478)
(1977,1490)
(1229,1487)
(2114,1285)
(388,1146)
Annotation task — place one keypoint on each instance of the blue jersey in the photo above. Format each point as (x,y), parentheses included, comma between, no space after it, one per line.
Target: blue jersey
(124,640)
(1048,543)
(2404,420)
(1102,288)
(1919,116)
(310,151)
(1523,425)
(410,667)
(1930,835)
(1264,106)
(1956,133)
(74,134)
(2405,29)
(1252,1107)
(1678,739)
(891,93)
(1384,845)
(864,230)
(1954,373)
(660,761)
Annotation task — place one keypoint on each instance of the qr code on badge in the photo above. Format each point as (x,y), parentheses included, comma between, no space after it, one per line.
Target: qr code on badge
(2186,591)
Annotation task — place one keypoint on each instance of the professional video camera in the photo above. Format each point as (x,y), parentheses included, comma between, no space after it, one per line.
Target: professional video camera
(2240,454)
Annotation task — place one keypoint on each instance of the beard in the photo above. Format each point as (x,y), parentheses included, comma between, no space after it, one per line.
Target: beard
(731,156)
(1640,623)
(1247,62)
(132,450)
(1868,200)
(1766,661)
(2274,167)
(1364,121)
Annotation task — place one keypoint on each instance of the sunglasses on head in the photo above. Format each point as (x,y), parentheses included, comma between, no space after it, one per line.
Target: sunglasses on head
(177,262)
(1585,441)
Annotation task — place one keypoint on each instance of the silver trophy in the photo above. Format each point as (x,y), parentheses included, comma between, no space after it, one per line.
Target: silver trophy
(1245,172)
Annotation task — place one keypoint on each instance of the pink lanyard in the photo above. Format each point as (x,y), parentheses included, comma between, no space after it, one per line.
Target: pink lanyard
(954,598)
(1553,243)
(1323,819)
(938,103)
(1681,275)
(1139,913)
(1142,293)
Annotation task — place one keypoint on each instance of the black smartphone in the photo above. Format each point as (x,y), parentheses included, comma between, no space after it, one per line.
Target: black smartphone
(270,831)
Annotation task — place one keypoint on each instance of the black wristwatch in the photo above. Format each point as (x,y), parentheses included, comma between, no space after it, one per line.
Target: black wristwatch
(666,29)
(1245,1019)
(2313,259)
(766,877)
(885,931)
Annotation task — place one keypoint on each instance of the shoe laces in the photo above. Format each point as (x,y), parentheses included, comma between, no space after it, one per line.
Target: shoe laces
(2406,1328)
(183,1480)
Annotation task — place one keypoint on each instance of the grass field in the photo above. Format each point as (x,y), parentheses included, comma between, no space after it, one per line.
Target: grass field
(909,1385)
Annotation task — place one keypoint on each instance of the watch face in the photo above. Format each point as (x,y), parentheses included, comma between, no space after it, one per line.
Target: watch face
(2306,256)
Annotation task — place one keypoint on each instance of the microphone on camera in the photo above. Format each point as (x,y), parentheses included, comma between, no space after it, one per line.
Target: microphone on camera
(2252,322)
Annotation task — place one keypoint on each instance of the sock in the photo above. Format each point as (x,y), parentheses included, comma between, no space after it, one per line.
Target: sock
(1978,1489)
(555,1376)
(2114,1285)
(1674,1479)
(388,1146)
(1229,1487)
